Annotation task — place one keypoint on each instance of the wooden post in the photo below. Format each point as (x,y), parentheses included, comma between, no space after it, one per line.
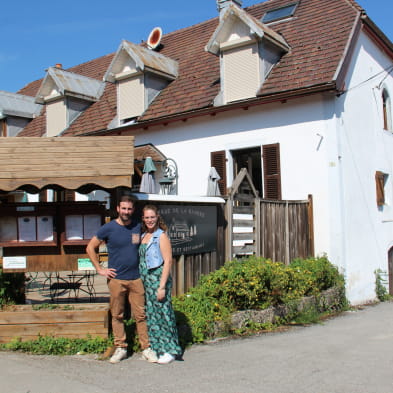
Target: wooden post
(180,276)
(257,231)
(286,261)
(229,229)
(311,224)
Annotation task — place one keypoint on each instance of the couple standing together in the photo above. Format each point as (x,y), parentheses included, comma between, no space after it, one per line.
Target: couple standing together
(139,266)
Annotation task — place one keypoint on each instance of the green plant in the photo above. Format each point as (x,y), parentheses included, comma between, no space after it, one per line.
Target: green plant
(203,314)
(308,315)
(380,286)
(325,274)
(132,336)
(251,327)
(44,306)
(254,283)
(44,345)
(11,288)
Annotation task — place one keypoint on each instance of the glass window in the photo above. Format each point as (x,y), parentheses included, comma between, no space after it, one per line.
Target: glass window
(279,13)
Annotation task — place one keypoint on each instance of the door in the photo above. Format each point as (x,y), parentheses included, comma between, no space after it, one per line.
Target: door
(251,160)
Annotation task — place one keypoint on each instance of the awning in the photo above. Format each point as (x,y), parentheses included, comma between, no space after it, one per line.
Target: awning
(68,162)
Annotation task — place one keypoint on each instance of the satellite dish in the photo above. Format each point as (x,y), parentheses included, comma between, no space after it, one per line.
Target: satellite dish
(154,38)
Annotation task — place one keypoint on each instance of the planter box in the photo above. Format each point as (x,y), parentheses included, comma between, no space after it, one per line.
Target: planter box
(67,320)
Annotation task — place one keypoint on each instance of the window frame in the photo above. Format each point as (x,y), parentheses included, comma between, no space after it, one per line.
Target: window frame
(271,11)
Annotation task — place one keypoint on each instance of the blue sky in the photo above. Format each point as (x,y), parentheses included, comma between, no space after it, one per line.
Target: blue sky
(39,34)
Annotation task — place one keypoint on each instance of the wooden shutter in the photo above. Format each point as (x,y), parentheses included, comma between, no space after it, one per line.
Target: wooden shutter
(380,186)
(3,127)
(69,196)
(218,160)
(43,196)
(271,171)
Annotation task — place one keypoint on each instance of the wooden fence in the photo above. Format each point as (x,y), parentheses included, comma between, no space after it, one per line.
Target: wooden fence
(279,230)
(286,230)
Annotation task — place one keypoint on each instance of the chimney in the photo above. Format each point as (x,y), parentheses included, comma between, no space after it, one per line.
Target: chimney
(59,65)
(223,4)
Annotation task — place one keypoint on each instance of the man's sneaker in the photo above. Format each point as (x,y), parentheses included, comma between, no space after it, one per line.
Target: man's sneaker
(120,354)
(166,358)
(149,355)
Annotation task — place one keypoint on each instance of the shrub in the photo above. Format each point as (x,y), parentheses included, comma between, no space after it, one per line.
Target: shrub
(325,274)
(252,283)
(202,313)
(11,288)
(257,283)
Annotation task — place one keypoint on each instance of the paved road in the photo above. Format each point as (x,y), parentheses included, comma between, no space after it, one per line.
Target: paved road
(352,353)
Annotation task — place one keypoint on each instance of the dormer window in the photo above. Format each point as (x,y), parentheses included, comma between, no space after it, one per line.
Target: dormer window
(279,13)
(66,96)
(140,75)
(16,111)
(248,50)
(75,107)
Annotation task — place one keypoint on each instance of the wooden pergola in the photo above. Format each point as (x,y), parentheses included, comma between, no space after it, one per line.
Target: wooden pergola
(68,162)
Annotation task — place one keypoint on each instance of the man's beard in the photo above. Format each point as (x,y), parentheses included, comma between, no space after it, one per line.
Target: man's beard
(125,218)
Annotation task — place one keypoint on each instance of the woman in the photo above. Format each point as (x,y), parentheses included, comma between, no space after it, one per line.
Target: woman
(155,254)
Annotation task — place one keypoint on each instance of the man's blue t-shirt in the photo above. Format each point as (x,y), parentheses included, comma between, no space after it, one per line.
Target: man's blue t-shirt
(122,242)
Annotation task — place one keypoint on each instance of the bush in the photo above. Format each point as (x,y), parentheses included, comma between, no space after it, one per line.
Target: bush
(201,313)
(325,274)
(12,288)
(257,283)
(252,283)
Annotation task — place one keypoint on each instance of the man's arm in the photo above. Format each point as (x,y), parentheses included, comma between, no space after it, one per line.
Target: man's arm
(91,248)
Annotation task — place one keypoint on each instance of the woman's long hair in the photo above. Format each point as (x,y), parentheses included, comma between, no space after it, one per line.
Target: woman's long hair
(160,222)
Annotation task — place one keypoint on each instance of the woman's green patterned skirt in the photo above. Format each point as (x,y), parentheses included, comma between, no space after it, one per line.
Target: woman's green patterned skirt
(161,321)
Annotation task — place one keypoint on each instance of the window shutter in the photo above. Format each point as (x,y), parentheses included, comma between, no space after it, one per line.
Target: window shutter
(271,171)
(241,73)
(380,185)
(217,159)
(43,196)
(386,109)
(69,195)
(3,128)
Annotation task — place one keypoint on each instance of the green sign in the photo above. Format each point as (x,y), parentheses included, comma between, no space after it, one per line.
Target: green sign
(85,264)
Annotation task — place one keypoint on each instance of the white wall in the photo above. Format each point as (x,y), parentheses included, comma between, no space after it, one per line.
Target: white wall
(365,148)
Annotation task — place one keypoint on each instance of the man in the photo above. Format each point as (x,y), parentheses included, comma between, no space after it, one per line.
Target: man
(122,237)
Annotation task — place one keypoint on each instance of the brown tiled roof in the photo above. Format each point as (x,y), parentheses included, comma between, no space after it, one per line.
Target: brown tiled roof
(318,36)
